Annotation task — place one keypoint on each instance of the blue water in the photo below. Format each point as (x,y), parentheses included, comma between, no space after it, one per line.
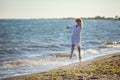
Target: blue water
(31,46)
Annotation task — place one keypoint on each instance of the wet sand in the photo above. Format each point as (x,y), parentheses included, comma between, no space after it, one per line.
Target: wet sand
(101,68)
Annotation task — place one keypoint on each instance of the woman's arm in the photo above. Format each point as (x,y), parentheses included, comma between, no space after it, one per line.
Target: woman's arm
(69,27)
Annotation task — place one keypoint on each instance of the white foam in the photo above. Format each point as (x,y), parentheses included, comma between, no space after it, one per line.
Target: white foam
(33,63)
(92,51)
(111,46)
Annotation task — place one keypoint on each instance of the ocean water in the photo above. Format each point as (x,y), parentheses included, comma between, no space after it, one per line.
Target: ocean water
(31,46)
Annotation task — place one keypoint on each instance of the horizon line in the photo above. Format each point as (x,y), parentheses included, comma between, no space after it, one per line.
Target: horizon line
(63,17)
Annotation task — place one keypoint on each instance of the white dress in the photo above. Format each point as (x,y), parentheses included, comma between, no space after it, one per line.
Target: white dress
(75,38)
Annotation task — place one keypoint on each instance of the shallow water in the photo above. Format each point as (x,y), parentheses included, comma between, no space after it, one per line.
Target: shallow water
(32,46)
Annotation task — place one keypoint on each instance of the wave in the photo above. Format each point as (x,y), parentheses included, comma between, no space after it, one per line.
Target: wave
(16,50)
(92,51)
(50,59)
(32,63)
(112,43)
(11,64)
(39,47)
(58,58)
(7,51)
(43,60)
(94,42)
(60,55)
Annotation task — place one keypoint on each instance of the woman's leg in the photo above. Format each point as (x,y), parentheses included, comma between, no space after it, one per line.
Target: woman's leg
(79,52)
(72,49)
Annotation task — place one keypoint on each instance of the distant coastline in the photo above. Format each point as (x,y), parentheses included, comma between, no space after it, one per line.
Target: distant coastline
(69,18)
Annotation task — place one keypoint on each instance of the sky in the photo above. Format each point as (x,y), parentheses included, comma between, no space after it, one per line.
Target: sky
(58,8)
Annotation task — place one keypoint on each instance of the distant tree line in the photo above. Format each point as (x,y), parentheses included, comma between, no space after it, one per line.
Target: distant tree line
(109,18)
(97,18)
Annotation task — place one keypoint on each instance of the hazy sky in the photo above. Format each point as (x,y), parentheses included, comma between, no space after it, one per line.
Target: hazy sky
(58,8)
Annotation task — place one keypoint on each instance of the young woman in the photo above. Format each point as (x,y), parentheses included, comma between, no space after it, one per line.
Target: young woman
(75,39)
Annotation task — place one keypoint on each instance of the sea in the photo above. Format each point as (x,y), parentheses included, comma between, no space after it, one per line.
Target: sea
(30,46)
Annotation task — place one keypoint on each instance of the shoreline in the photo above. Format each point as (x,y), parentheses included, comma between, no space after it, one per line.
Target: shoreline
(80,70)
(88,18)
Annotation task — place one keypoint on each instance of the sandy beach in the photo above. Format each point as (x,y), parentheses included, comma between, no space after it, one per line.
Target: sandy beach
(101,68)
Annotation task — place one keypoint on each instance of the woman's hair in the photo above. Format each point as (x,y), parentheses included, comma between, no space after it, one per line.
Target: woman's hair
(79,20)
